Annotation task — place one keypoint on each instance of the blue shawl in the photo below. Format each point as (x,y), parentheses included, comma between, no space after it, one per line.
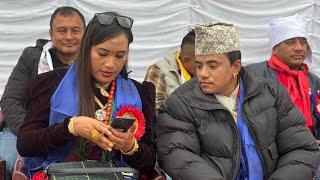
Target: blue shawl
(250,163)
(64,103)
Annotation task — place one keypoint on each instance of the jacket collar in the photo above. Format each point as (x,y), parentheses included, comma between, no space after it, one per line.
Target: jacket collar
(204,101)
(41,42)
(172,62)
(250,82)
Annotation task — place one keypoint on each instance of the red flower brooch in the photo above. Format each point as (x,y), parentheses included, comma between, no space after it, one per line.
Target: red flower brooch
(128,110)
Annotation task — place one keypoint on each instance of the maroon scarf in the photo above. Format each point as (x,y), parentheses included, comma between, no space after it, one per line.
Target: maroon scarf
(297,85)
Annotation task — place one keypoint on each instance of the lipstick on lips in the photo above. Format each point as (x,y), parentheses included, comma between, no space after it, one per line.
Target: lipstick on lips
(106,74)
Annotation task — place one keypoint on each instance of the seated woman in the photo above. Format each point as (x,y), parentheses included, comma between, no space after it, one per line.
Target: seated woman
(70,112)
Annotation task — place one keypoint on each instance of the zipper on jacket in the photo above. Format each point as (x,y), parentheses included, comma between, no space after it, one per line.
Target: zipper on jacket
(236,141)
(258,147)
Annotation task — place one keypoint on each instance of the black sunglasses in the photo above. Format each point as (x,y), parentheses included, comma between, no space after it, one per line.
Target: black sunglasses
(107,19)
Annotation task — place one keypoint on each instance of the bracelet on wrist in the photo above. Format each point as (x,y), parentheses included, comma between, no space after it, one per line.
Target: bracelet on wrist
(71,127)
(133,150)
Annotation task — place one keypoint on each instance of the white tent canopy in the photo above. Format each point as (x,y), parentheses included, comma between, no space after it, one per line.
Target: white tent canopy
(159,25)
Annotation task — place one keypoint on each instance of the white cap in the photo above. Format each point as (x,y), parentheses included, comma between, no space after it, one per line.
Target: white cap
(289,27)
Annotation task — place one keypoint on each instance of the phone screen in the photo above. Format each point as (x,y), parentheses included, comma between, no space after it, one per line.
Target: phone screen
(122,124)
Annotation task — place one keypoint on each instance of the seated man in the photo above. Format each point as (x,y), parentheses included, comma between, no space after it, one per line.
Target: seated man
(169,73)
(228,124)
(67,26)
(290,49)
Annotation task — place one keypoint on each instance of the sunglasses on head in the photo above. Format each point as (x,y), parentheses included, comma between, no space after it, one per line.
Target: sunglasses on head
(107,19)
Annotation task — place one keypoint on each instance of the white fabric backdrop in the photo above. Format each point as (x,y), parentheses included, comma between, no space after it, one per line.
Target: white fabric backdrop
(159,25)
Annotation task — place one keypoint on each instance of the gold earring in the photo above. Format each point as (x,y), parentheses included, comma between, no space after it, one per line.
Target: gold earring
(234,75)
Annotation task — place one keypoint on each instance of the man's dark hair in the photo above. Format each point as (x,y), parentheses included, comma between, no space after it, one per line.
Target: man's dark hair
(233,56)
(189,38)
(66,11)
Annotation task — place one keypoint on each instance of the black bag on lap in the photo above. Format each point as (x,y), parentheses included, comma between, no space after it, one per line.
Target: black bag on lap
(89,170)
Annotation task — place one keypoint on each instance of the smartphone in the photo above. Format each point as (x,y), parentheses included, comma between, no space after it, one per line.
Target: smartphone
(122,124)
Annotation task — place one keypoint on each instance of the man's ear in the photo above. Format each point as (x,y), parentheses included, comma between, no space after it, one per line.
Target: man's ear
(184,59)
(236,66)
(274,50)
(50,33)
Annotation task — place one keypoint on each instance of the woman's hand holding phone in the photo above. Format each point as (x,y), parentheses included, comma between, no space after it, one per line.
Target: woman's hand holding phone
(84,126)
(123,141)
